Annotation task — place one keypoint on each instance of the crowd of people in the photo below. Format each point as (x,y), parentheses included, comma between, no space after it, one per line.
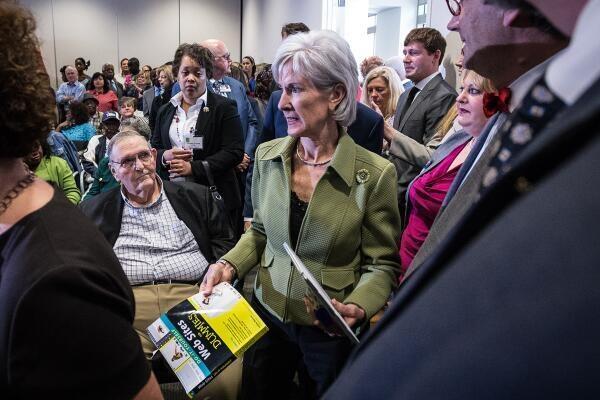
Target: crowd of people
(453,231)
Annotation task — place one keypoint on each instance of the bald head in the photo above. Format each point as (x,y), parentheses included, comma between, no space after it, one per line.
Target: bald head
(222,57)
(213,44)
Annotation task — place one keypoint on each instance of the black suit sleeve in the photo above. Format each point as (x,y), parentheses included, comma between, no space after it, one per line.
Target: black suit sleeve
(222,238)
(268,130)
(156,136)
(227,147)
(375,139)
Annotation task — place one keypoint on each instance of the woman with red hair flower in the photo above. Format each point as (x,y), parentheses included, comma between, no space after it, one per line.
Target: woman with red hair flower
(428,190)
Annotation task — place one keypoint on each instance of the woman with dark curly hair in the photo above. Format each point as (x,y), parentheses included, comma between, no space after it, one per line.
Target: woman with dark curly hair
(107,99)
(77,127)
(197,125)
(56,267)
(82,65)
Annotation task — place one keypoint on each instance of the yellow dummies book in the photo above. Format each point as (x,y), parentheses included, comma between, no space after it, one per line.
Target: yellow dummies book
(201,336)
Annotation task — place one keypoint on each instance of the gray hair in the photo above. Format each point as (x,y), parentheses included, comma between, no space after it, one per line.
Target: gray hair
(127,133)
(325,59)
(137,124)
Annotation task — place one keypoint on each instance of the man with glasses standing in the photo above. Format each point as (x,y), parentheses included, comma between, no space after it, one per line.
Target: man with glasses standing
(164,234)
(231,88)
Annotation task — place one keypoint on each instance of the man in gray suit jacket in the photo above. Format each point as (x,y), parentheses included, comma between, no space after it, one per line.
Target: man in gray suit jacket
(420,109)
(519,77)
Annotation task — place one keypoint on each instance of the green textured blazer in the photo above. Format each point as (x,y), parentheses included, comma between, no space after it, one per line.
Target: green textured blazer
(348,238)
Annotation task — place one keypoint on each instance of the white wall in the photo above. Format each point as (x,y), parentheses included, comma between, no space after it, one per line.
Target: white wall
(408,19)
(212,19)
(107,30)
(438,18)
(387,39)
(262,21)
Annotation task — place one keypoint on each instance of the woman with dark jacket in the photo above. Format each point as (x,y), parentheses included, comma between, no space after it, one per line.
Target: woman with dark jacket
(197,125)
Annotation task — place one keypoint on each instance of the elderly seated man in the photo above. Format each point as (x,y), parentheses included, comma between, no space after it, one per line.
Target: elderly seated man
(164,234)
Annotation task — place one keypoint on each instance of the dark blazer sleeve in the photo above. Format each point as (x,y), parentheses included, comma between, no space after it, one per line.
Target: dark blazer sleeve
(223,140)
(252,131)
(156,105)
(106,212)
(268,130)
(367,129)
(211,228)
(160,134)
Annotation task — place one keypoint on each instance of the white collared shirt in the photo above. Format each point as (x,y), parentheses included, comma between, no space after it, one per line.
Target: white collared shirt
(184,125)
(576,68)
(423,82)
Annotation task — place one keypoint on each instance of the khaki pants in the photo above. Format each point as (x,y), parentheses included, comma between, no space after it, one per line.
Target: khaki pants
(153,300)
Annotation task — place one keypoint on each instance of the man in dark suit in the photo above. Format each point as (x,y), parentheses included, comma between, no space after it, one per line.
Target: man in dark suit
(231,88)
(506,306)
(421,108)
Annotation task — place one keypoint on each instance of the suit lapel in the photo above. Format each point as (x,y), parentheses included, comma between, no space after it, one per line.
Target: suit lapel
(472,157)
(112,215)
(421,97)
(166,127)
(399,108)
(205,117)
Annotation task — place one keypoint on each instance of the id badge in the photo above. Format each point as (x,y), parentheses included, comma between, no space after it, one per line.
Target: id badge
(194,142)
(226,88)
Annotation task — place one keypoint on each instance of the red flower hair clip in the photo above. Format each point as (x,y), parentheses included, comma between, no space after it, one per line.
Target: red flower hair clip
(492,103)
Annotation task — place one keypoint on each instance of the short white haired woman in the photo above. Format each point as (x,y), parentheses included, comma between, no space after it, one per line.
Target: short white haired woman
(333,201)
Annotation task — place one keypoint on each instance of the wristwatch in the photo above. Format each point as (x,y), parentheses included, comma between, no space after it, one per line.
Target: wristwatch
(228,264)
